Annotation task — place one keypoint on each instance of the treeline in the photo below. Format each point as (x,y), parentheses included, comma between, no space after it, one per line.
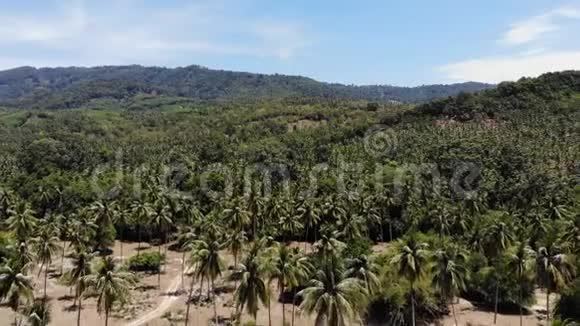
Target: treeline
(58,88)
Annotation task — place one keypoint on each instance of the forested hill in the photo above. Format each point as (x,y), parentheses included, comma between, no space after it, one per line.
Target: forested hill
(54,88)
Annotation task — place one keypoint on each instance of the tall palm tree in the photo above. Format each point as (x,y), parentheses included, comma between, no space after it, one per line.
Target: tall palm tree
(235,244)
(521,260)
(141,212)
(496,238)
(121,218)
(161,219)
(38,313)
(332,296)
(554,268)
(411,261)
(366,269)
(46,247)
(283,269)
(252,289)
(236,216)
(309,213)
(15,286)
(77,276)
(103,214)
(328,246)
(110,284)
(210,263)
(449,273)
(186,236)
(21,221)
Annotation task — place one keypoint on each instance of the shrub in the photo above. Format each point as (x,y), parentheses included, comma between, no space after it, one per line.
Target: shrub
(146,262)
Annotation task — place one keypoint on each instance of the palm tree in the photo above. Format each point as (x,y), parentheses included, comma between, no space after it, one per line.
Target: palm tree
(328,246)
(77,276)
(103,214)
(161,220)
(496,238)
(449,273)
(521,259)
(365,269)
(309,214)
(252,289)
(235,244)
(38,313)
(15,286)
(21,221)
(141,212)
(210,263)
(110,284)
(333,296)
(554,268)
(236,216)
(411,261)
(121,218)
(186,236)
(46,247)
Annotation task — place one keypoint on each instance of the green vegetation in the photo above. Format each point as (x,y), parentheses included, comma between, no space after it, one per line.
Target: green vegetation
(146,262)
(475,196)
(136,87)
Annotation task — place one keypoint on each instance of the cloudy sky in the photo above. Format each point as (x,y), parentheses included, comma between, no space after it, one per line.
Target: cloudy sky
(396,42)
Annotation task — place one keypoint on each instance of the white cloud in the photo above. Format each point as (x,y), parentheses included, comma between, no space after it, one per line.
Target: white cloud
(498,69)
(535,27)
(134,34)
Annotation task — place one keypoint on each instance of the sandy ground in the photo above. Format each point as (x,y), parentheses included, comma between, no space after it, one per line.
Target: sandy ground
(152,307)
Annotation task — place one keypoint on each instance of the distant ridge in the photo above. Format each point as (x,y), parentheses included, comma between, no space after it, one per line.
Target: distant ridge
(55,88)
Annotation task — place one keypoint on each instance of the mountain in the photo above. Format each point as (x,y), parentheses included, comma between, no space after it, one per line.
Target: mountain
(54,88)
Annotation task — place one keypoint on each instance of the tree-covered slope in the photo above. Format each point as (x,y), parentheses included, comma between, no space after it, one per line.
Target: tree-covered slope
(71,87)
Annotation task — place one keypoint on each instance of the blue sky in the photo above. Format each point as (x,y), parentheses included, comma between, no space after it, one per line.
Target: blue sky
(395,42)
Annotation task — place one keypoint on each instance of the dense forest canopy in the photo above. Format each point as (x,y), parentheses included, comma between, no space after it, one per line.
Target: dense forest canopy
(488,181)
(55,88)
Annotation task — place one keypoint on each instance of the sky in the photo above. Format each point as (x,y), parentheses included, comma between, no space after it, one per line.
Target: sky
(396,42)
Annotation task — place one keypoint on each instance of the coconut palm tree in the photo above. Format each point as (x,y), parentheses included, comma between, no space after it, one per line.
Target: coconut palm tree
(45,247)
(554,268)
(521,259)
(236,216)
(38,313)
(449,273)
(210,263)
(496,238)
(15,286)
(21,221)
(77,276)
(366,269)
(186,236)
(309,213)
(252,289)
(193,262)
(121,219)
(161,219)
(332,296)
(328,246)
(103,214)
(411,262)
(110,284)
(141,212)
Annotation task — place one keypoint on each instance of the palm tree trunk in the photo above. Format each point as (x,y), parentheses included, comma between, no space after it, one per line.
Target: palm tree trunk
(62,258)
(214,303)
(139,238)
(521,310)
(496,303)
(269,314)
(159,269)
(283,306)
(80,308)
(548,306)
(189,298)
(293,306)
(183,270)
(107,317)
(390,232)
(453,310)
(45,281)
(201,288)
(121,243)
(412,303)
